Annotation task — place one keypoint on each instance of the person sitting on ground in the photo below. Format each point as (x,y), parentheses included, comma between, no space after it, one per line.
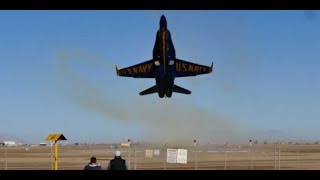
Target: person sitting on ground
(117,163)
(93,165)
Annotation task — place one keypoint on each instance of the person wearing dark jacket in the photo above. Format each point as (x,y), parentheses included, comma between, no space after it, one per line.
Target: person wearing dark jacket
(93,165)
(117,163)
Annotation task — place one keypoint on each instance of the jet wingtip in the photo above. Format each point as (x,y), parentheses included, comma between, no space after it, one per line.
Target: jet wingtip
(211,67)
(117,70)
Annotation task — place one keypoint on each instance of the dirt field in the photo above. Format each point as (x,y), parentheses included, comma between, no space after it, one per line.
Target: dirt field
(259,157)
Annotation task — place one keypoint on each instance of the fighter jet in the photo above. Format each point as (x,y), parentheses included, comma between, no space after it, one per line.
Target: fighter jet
(164,67)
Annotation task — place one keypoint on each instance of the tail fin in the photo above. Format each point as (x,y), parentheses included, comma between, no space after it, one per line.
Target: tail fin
(181,90)
(153,89)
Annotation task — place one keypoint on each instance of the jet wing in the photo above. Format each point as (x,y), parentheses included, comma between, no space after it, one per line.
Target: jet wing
(142,70)
(184,68)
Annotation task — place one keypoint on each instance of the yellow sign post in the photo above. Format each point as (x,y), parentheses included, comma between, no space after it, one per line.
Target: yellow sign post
(55,138)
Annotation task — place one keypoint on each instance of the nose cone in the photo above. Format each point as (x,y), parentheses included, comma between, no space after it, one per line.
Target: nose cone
(163,22)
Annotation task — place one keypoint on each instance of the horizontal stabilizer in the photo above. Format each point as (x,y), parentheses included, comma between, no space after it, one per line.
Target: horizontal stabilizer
(153,89)
(181,90)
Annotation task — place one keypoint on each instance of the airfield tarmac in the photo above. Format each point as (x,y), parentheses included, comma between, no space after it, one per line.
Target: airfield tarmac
(75,157)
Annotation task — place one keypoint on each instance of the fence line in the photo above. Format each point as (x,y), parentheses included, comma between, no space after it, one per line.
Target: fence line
(263,157)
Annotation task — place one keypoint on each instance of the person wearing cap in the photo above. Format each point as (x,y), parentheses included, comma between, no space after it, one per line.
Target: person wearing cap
(117,163)
(93,165)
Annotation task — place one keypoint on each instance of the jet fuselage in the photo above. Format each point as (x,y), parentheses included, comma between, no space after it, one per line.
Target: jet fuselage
(164,73)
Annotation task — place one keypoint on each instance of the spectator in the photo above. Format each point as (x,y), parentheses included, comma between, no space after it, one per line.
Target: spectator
(93,165)
(117,163)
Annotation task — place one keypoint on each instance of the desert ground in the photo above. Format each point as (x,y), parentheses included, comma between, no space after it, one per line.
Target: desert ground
(208,157)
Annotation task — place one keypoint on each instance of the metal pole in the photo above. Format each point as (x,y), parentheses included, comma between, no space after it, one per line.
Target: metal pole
(129,162)
(225,159)
(275,160)
(279,156)
(251,158)
(135,158)
(165,157)
(196,157)
(51,157)
(5,154)
(55,155)
(129,157)
(298,157)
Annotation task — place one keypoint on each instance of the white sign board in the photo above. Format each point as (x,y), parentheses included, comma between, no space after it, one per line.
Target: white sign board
(172,155)
(156,152)
(149,153)
(182,156)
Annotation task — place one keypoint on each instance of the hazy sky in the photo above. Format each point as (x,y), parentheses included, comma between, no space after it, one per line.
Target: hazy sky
(57,75)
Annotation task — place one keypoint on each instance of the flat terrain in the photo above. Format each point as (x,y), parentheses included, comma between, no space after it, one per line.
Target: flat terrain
(257,157)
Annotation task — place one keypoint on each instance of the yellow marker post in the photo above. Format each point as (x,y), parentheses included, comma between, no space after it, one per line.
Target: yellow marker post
(55,138)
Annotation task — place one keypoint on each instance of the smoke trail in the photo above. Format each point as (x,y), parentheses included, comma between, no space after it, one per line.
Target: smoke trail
(166,120)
